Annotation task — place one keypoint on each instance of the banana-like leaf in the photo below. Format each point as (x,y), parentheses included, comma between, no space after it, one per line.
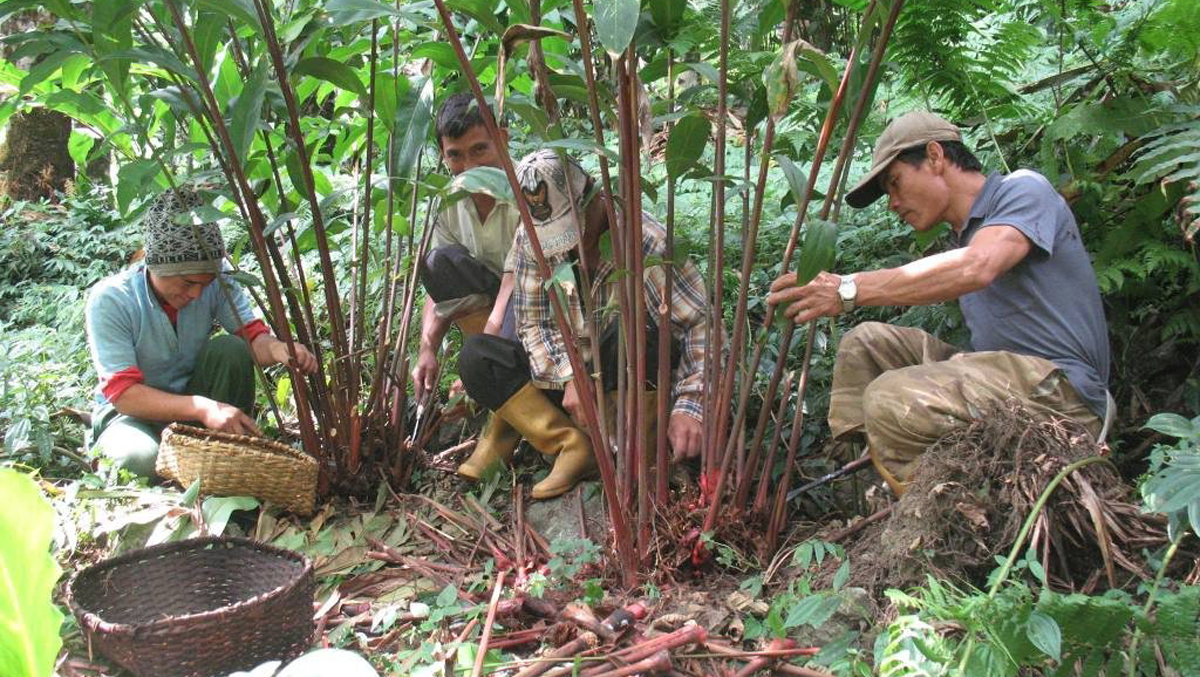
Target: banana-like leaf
(29,620)
(331,71)
(616,21)
(818,252)
(246,111)
(686,144)
(413,117)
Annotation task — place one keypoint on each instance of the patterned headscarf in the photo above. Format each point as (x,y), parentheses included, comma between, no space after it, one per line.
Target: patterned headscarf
(178,246)
(549,186)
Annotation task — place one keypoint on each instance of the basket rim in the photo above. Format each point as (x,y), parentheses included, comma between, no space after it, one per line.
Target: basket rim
(258,444)
(94,622)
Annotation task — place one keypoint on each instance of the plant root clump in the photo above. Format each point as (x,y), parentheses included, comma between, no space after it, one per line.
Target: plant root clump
(973,490)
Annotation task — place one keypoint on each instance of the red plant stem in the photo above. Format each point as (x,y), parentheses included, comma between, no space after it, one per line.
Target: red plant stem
(766,658)
(784,668)
(624,541)
(587,621)
(725,383)
(332,300)
(246,197)
(760,498)
(657,664)
(663,381)
(487,626)
(692,634)
(636,332)
(716,333)
(572,648)
(362,233)
(779,510)
(859,525)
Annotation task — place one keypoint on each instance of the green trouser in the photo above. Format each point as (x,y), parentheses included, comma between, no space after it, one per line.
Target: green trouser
(906,390)
(224,372)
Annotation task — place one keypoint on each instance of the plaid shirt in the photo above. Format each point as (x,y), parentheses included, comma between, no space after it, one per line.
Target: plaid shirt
(549,365)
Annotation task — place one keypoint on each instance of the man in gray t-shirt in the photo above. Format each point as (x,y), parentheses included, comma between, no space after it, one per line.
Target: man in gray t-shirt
(1024,282)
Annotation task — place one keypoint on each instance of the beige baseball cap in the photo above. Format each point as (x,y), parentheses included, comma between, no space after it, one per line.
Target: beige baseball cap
(907,131)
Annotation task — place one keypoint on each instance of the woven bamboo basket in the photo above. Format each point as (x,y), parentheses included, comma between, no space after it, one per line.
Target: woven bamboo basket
(197,608)
(237,465)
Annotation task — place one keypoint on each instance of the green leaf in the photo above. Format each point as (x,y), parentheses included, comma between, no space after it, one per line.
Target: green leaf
(487,180)
(79,146)
(582,146)
(667,15)
(29,620)
(218,509)
(247,109)
(447,596)
(481,10)
(242,11)
(342,12)
(818,252)
(134,179)
(189,496)
(842,575)
(1174,425)
(246,279)
(686,144)
(112,32)
(1045,634)
(797,181)
(413,118)
(334,72)
(616,21)
(782,77)
(157,56)
(704,70)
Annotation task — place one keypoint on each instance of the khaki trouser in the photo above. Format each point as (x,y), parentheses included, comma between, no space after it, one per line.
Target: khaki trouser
(906,389)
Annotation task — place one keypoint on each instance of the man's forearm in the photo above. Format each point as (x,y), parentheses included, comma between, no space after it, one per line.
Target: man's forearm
(146,402)
(433,328)
(500,307)
(933,279)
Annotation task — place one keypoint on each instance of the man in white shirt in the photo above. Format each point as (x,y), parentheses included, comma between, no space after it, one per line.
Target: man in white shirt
(468,273)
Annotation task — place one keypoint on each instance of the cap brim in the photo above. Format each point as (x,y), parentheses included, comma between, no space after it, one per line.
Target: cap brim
(868,190)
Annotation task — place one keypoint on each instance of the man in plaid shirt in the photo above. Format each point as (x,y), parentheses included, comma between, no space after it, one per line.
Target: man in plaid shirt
(529,384)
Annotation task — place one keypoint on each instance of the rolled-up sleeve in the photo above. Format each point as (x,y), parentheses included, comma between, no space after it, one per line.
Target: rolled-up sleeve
(549,364)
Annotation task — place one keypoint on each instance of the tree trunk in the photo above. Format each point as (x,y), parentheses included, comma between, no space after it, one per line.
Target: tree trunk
(34,161)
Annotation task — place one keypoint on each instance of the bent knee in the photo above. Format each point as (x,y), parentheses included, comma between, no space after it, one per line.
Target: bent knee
(229,348)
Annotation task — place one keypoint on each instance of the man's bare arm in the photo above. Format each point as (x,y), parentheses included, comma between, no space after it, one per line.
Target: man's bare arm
(496,320)
(149,403)
(933,279)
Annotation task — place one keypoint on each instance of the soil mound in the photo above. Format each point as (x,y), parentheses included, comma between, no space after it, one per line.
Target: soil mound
(973,491)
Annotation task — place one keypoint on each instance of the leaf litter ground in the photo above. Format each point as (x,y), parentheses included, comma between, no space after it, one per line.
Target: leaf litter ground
(406,578)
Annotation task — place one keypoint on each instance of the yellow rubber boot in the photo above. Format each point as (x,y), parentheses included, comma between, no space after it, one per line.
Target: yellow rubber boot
(553,433)
(496,446)
(473,323)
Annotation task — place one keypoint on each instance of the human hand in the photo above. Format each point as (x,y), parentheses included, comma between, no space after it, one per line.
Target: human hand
(685,435)
(305,360)
(226,418)
(424,373)
(456,389)
(573,404)
(818,298)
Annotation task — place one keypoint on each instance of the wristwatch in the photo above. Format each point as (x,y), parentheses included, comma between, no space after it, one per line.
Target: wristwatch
(847,292)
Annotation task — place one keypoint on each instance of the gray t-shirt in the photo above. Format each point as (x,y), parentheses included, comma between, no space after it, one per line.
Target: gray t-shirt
(1048,305)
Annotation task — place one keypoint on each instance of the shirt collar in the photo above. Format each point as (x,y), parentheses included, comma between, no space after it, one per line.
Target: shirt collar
(982,204)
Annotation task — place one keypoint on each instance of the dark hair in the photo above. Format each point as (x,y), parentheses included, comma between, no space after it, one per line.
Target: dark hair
(458,114)
(958,155)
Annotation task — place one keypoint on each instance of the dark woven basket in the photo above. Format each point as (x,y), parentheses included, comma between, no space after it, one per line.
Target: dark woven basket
(197,608)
